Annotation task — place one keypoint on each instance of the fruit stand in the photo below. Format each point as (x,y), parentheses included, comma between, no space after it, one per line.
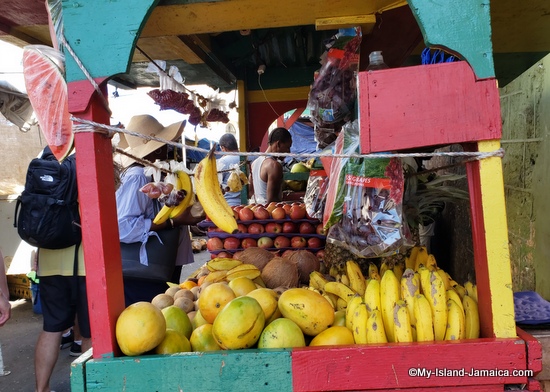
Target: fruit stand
(423,106)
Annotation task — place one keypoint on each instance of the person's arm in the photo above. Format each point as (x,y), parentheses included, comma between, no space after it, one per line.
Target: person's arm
(274,174)
(5,306)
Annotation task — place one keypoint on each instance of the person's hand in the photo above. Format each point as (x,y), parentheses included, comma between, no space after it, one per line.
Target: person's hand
(5,309)
(191,216)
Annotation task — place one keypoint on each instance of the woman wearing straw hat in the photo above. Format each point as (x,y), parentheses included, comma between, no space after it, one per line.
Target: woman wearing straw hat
(136,210)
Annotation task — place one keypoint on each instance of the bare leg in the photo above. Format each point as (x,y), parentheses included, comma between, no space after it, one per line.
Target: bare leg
(45,357)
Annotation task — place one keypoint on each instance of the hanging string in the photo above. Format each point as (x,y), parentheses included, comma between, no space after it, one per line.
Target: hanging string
(109,130)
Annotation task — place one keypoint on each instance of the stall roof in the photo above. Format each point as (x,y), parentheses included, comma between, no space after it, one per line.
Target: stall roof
(284,38)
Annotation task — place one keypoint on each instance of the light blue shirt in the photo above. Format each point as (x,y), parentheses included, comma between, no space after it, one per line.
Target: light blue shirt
(225,163)
(136,211)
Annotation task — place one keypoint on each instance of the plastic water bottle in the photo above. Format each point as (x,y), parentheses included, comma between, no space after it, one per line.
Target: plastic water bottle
(376,61)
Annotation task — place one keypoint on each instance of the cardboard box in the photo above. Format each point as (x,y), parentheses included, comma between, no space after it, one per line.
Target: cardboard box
(19,286)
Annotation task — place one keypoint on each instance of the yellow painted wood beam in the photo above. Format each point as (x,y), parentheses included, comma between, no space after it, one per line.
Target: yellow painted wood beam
(278,95)
(241,105)
(496,234)
(166,48)
(366,22)
(230,15)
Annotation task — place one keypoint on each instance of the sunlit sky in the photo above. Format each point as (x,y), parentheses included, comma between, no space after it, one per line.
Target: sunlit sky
(128,102)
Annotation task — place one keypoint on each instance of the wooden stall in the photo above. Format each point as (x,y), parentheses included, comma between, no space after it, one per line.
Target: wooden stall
(400,110)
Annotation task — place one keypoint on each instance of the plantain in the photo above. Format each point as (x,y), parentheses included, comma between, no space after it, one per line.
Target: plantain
(210,195)
(438,301)
(451,294)
(471,318)
(445,278)
(184,183)
(356,278)
(373,271)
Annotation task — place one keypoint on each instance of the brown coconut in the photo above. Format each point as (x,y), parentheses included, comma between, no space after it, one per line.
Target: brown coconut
(256,256)
(307,262)
(280,271)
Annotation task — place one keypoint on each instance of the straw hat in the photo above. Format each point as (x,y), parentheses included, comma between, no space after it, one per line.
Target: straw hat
(148,126)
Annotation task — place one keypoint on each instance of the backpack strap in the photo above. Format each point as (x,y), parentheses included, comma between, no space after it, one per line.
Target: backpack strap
(16,210)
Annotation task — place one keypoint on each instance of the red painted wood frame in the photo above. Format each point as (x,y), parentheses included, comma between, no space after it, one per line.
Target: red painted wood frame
(427,105)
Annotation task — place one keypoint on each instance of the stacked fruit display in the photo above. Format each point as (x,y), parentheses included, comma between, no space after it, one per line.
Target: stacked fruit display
(276,227)
(231,304)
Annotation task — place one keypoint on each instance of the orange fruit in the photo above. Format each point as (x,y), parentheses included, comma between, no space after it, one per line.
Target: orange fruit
(188,284)
(203,340)
(212,300)
(140,328)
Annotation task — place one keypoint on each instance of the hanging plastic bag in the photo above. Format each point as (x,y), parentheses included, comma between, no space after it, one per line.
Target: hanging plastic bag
(371,223)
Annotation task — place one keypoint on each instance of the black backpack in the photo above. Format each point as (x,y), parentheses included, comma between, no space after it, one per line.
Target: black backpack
(48,207)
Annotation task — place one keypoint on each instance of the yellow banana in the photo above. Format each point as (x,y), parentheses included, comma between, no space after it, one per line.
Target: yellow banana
(455,324)
(451,294)
(341,290)
(460,290)
(352,304)
(424,322)
(384,266)
(359,324)
(317,280)
(184,181)
(421,257)
(372,295)
(402,323)
(330,300)
(410,288)
(470,288)
(341,304)
(356,279)
(438,301)
(410,261)
(210,195)
(398,271)
(445,278)
(373,270)
(389,295)
(345,280)
(375,328)
(249,271)
(424,275)
(163,215)
(431,263)
(471,318)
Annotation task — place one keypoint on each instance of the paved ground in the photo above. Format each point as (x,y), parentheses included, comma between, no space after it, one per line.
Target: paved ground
(18,338)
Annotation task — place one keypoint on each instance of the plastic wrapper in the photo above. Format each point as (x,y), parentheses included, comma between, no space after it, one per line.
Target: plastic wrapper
(371,196)
(315,196)
(334,91)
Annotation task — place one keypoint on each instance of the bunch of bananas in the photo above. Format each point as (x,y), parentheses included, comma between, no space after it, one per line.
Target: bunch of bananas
(183,185)
(223,269)
(417,301)
(209,193)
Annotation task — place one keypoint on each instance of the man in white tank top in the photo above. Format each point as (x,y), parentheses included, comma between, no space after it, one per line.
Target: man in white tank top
(267,172)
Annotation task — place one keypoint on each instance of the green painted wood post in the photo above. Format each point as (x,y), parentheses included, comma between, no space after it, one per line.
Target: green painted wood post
(461,27)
